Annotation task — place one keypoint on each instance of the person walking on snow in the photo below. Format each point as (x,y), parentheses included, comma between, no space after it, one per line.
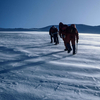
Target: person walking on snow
(51,35)
(72,37)
(54,33)
(63,32)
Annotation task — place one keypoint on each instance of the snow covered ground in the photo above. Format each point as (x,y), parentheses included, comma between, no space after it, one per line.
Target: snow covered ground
(32,68)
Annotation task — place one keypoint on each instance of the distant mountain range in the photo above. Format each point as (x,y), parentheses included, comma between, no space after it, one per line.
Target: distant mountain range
(80,27)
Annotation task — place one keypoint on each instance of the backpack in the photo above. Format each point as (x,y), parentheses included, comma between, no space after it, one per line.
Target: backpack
(64,28)
(72,30)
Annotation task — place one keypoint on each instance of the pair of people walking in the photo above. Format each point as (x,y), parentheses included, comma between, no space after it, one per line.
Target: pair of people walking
(69,34)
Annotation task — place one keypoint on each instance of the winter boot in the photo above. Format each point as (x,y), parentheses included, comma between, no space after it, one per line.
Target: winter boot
(69,48)
(74,50)
(65,49)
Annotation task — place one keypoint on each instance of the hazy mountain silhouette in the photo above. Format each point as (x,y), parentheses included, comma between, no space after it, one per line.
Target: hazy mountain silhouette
(81,28)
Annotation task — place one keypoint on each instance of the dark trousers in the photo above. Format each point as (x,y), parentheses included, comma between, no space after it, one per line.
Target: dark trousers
(56,40)
(51,37)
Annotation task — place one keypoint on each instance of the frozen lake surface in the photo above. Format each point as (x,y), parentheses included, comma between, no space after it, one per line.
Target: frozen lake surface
(32,68)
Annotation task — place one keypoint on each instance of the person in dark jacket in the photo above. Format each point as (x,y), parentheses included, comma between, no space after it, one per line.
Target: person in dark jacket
(55,34)
(63,32)
(51,34)
(72,37)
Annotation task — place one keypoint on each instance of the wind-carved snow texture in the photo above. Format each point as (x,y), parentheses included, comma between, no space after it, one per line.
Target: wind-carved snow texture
(32,68)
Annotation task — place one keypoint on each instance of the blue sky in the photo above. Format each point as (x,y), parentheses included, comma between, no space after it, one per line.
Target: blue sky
(41,13)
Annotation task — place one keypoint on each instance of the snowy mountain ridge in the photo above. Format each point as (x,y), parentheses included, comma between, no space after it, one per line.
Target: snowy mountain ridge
(81,28)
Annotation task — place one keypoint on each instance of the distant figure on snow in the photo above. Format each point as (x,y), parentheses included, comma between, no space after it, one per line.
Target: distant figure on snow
(51,35)
(54,34)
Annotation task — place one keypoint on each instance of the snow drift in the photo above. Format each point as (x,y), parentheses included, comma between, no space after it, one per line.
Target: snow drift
(31,68)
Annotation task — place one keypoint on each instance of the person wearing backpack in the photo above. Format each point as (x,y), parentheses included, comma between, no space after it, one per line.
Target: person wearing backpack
(74,36)
(55,34)
(63,32)
(51,34)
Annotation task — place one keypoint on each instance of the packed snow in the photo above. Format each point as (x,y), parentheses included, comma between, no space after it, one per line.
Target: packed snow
(32,68)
